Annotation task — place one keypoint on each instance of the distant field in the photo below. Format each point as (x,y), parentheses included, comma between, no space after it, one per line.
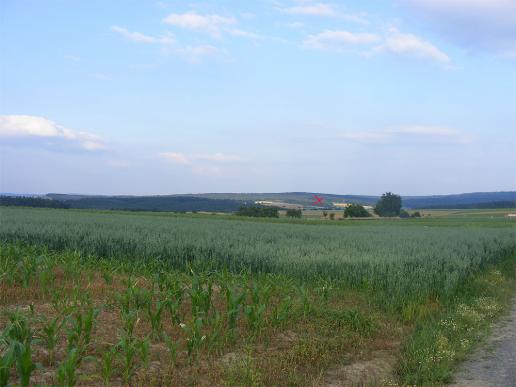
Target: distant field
(277,301)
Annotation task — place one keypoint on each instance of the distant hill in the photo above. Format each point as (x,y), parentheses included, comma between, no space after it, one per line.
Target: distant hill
(31,201)
(488,205)
(457,201)
(148,203)
(228,202)
(434,201)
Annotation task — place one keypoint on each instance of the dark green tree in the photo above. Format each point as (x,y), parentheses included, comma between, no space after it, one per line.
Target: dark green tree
(294,213)
(356,211)
(258,211)
(388,205)
(404,214)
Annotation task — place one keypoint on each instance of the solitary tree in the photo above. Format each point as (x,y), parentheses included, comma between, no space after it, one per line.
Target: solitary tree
(294,213)
(388,205)
(356,211)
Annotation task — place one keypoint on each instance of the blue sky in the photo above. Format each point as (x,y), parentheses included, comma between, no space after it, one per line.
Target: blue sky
(157,97)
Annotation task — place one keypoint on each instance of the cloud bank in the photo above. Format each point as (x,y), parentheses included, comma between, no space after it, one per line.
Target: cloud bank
(24,126)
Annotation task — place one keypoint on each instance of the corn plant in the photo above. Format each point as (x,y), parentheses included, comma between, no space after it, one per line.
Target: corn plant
(155,317)
(128,351)
(143,346)
(27,268)
(130,320)
(173,307)
(194,337)
(49,335)
(107,275)
(107,365)
(215,336)
(7,360)
(24,363)
(305,301)
(255,314)
(80,329)
(173,291)
(17,336)
(172,348)
(200,295)
(67,371)
(282,311)
(234,300)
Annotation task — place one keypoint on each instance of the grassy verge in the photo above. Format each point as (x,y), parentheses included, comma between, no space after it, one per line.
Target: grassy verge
(443,339)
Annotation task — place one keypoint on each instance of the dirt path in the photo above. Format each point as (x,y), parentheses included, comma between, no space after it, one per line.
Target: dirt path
(495,363)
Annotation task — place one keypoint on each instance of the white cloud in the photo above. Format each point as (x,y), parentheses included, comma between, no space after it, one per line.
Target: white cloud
(480,24)
(338,39)
(195,54)
(393,42)
(213,25)
(142,38)
(315,9)
(366,137)
(73,58)
(119,163)
(181,158)
(216,164)
(319,9)
(169,45)
(408,44)
(244,34)
(409,134)
(178,158)
(23,126)
(218,157)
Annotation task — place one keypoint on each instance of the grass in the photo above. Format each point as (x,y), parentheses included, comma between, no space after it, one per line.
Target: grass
(198,299)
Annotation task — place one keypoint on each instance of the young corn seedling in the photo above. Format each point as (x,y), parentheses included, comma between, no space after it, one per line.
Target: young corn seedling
(79,331)
(305,301)
(49,335)
(173,307)
(283,311)
(107,366)
(27,268)
(6,362)
(234,300)
(201,296)
(325,290)
(67,371)
(128,352)
(155,318)
(194,337)
(174,298)
(172,348)
(24,363)
(17,336)
(107,275)
(255,314)
(130,320)
(144,350)
(215,335)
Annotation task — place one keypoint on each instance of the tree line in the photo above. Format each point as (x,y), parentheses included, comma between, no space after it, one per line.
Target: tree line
(29,201)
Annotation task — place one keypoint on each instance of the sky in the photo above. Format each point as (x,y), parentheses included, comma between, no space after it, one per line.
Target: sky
(161,97)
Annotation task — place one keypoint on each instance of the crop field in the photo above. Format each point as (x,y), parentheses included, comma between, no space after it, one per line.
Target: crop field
(100,298)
